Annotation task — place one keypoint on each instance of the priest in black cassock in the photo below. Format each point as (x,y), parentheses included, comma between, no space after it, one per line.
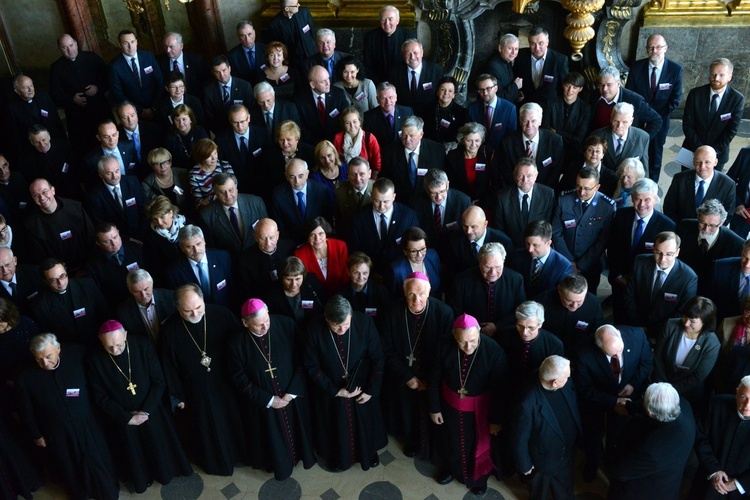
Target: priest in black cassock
(344,360)
(58,413)
(127,384)
(721,444)
(192,346)
(464,387)
(265,363)
(412,329)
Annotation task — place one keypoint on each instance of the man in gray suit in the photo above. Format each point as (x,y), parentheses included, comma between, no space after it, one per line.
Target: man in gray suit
(229,220)
(623,140)
(147,308)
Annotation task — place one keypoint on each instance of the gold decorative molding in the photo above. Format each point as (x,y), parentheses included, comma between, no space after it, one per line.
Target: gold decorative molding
(579,30)
(343,13)
(696,13)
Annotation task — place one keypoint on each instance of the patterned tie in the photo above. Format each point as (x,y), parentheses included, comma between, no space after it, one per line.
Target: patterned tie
(658,283)
(437,218)
(528,152)
(412,169)
(413,83)
(226,93)
(488,114)
(134,69)
(205,280)
(744,289)
(700,193)
(653,82)
(383,228)
(322,110)
(713,108)
(638,233)
(234,222)
(137,143)
(536,270)
(176,67)
(525,210)
(301,207)
(618,149)
(614,363)
(118,197)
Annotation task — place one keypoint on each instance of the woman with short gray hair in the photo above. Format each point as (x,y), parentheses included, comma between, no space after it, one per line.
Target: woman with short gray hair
(468,166)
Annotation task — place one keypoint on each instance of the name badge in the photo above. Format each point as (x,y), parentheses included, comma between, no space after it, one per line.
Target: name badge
(132,266)
(726,116)
(238,101)
(361,96)
(427,86)
(498,126)
(44,113)
(257,152)
(581,325)
(170,120)
(66,235)
(307,304)
(371,311)
(665,86)
(549,78)
(72,393)
(570,223)
(547,162)
(451,225)
(306,28)
(263,66)
(421,171)
(670,297)
(32,295)
(130,202)
(285,77)
(79,313)
(221,285)
(21,204)
(178,190)
(398,241)
(480,167)
(65,168)
(649,245)
(148,70)
(274,275)
(255,223)
(399,133)
(131,165)
(445,123)
(334,113)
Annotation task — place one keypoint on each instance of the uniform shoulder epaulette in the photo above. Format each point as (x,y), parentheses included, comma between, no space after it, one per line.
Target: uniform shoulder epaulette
(607,198)
(568,192)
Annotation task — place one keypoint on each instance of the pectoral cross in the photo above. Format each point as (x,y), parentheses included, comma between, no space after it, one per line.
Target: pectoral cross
(131,387)
(270,370)
(410,358)
(462,392)
(345,376)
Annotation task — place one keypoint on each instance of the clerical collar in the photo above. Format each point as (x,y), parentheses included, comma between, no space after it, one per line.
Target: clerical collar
(256,335)
(59,358)
(269,253)
(738,414)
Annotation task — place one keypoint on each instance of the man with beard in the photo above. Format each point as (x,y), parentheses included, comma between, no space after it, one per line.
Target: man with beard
(194,366)
(344,361)
(127,384)
(264,361)
(412,329)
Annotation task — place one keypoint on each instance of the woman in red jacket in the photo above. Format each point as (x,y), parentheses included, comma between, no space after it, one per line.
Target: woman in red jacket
(323,256)
(354,141)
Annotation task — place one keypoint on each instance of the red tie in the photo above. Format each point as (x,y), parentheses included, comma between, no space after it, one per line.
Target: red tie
(322,110)
(528,149)
(488,117)
(614,362)
(438,219)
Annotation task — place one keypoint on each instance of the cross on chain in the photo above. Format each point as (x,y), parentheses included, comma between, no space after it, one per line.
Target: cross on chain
(411,358)
(131,387)
(270,370)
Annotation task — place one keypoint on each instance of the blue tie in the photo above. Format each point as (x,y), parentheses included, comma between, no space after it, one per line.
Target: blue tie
(412,170)
(251,59)
(383,228)
(137,142)
(301,204)
(700,194)
(205,280)
(638,234)
(744,290)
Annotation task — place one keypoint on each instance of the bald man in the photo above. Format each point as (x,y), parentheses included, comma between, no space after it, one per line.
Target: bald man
(474,233)
(260,263)
(320,107)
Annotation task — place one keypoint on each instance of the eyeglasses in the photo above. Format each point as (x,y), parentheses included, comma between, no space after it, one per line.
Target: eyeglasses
(39,196)
(176,87)
(586,189)
(669,255)
(654,48)
(162,164)
(486,90)
(414,253)
(59,279)
(705,225)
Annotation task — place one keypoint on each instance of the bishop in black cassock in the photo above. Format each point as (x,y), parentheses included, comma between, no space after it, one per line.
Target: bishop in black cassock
(127,384)
(344,360)
(264,361)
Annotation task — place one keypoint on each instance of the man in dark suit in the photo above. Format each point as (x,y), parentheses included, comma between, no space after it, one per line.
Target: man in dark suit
(191,65)
(147,308)
(352,194)
(522,202)
(144,135)
(651,455)
(415,79)
(464,246)
(659,81)
(260,263)
(110,144)
(623,140)
(228,221)
(293,26)
(248,55)
(489,292)
(724,106)
(384,121)
(327,55)
(633,231)
(730,284)
(611,93)
(581,225)
(500,65)
(704,183)
(659,285)
(610,378)
(20,283)
(270,112)
(440,209)
(382,46)
(377,229)
(541,266)
(218,96)
(242,147)
(210,269)
(543,146)
(112,262)
(118,199)
(29,109)
(496,114)
(706,240)
(135,76)
(406,162)
(740,174)
(320,107)
(719,443)
(541,69)
(545,430)
(298,201)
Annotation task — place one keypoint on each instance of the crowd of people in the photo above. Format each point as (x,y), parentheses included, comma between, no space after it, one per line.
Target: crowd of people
(207,263)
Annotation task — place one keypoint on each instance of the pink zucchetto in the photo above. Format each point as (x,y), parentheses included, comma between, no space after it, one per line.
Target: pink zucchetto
(110,326)
(418,276)
(466,321)
(252,306)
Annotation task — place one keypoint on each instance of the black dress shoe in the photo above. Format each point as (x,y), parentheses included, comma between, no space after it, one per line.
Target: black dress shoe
(444,479)
(479,490)
(375,460)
